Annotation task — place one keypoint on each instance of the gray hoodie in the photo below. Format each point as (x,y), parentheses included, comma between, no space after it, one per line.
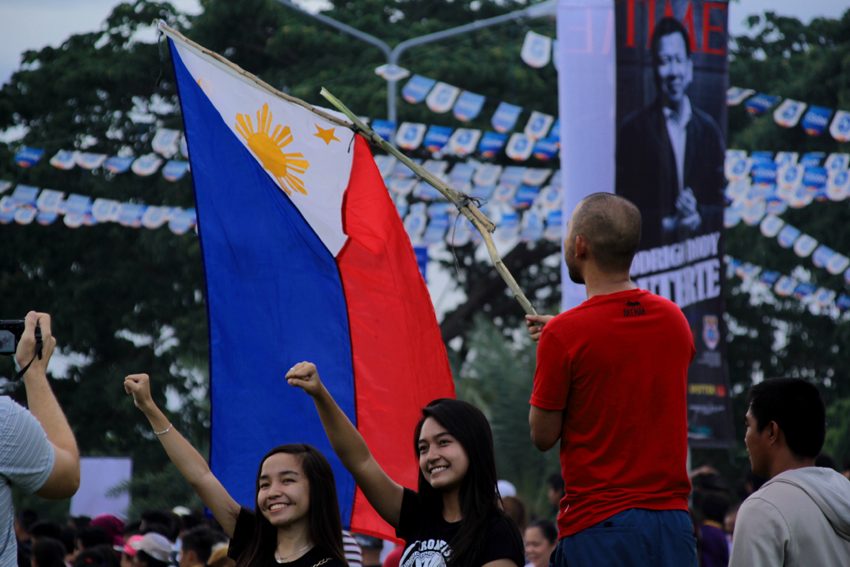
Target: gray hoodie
(800,517)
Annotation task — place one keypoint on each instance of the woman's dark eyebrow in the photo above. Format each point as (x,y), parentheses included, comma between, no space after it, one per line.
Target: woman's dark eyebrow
(281,473)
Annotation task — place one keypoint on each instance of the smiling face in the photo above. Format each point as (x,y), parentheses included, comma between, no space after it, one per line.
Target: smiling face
(442,459)
(283,492)
(537,547)
(674,68)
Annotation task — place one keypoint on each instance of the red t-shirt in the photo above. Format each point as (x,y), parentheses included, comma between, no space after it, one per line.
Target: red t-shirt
(617,365)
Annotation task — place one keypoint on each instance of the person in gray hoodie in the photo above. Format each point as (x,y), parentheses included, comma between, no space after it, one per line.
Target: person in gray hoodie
(801,515)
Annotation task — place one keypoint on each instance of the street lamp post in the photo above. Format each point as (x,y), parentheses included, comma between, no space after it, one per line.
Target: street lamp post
(392,72)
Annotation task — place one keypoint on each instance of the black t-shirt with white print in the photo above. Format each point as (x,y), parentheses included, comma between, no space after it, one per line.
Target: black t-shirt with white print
(246,523)
(427,537)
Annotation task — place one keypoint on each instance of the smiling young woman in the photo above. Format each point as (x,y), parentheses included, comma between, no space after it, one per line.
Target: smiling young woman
(455,517)
(296,518)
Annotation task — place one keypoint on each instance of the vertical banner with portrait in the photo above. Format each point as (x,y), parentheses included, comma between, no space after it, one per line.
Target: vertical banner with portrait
(671,67)
(662,65)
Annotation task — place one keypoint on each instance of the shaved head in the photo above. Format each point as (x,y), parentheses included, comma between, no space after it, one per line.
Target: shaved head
(611,226)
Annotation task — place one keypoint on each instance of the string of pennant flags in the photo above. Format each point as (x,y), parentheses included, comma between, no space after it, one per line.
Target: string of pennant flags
(441,97)
(538,50)
(820,300)
(166,144)
(525,202)
(789,113)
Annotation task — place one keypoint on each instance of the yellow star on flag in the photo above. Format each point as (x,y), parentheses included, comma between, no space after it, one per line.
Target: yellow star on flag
(326,134)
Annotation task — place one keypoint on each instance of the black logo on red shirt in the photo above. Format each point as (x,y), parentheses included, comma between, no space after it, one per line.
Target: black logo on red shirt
(633,309)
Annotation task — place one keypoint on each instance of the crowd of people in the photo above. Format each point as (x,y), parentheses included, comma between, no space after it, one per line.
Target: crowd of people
(609,390)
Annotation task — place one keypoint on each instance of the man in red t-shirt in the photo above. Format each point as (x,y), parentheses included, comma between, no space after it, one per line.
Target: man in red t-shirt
(611,384)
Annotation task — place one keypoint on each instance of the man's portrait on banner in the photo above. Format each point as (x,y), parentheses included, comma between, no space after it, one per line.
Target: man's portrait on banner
(670,153)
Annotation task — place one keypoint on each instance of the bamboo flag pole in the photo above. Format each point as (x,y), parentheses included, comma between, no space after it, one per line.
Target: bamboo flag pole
(463,203)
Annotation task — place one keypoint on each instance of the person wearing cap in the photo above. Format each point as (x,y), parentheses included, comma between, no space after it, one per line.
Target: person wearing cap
(128,550)
(152,550)
(38,451)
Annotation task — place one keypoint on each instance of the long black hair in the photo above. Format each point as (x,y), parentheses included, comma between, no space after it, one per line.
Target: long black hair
(479,495)
(323,516)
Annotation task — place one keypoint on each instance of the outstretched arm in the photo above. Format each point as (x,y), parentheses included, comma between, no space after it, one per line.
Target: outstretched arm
(185,457)
(64,479)
(383,493)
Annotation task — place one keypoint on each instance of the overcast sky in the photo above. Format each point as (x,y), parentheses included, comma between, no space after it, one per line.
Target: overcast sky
(32,24)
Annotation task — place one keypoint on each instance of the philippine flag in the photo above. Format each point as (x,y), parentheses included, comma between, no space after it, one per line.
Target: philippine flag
(305,259)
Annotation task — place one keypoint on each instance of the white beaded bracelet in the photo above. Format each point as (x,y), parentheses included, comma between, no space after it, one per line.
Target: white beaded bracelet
(163,432)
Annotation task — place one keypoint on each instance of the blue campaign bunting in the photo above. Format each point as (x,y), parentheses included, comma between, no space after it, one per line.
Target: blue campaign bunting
(555,132)
(814,177)
(63,160)
(491,144)
(531,229)
(118,164)
(77,205)
(468,106)
(50,201)
(804,290)
(155,217)
(437,137)
(737,95)
(519,147)
(785,286)
(816,120)
(23,195)
(525,196)
(804,245)
(416,89)
(538,125)
(463,142)
(28,157)
(760,103)
(812,159)
(536,49)
(90,161)
(482,192)
(769,277)
(105,210)
(410,135)
(512,175)
(505,117)
(174,170)
(789,112)
(130,214)
(764,171)
(44,218)
(536,176)
(843,302)
(822,255)
(838,185)
(442,97)
(487,174)
(787,236)
(384,128)
(840,127)
(545,149)
(146,165)
(554,225)
(836,162)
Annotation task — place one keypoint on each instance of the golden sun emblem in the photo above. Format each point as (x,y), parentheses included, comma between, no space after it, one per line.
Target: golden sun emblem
(285,167)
